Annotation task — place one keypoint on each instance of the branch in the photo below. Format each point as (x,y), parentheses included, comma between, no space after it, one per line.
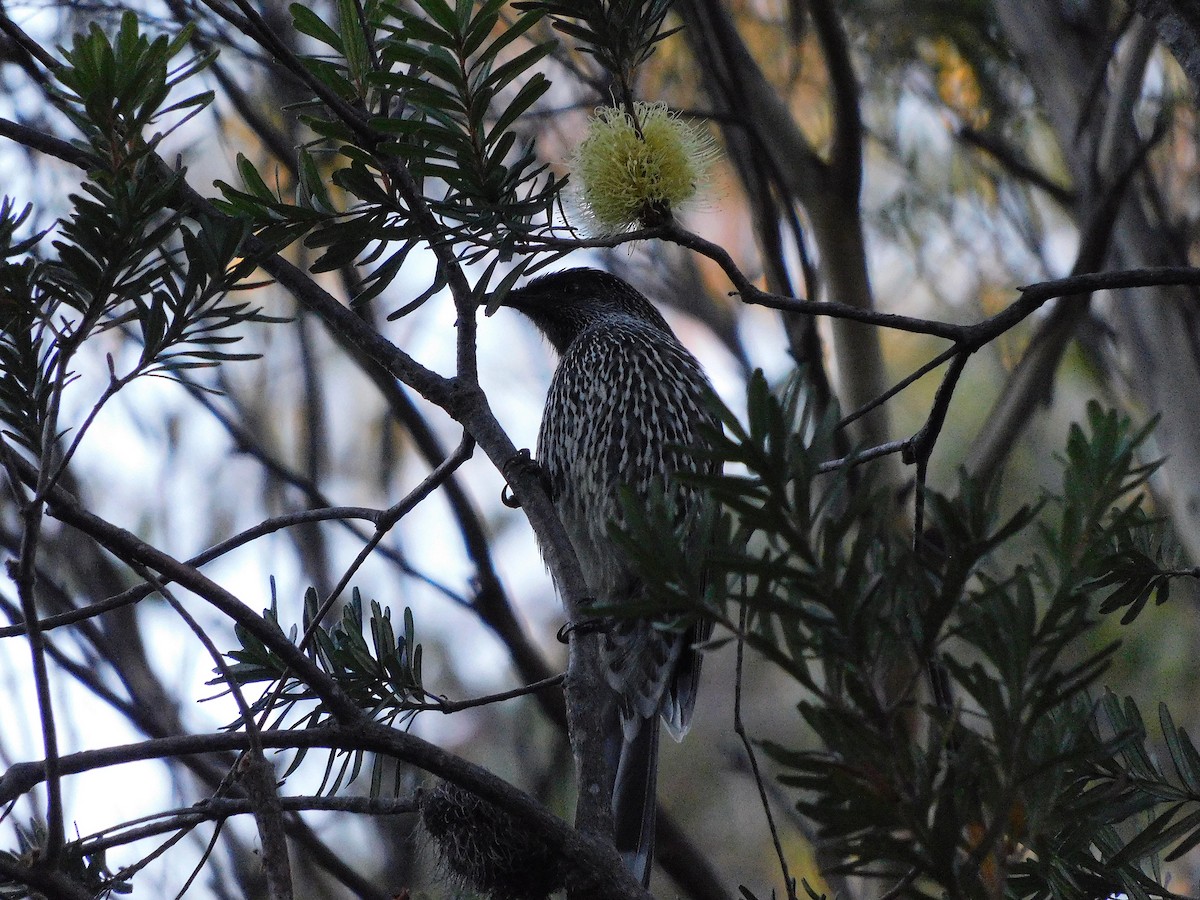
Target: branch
(23,572)
(387,520)
(27,44)
(141,591)
(598,868)
(845,155)
(1032,297)
(127,546)
(221,808)
(452,706)
(258,777)
(46,143)
(1008,160)
(739,728)
(919,448)
(48,881)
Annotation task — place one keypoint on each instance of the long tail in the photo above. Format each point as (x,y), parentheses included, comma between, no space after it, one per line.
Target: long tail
(634,800)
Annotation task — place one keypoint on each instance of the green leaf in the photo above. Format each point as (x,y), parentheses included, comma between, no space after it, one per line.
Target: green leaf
(309,23)
(358,57)
(529,94)
(443,15)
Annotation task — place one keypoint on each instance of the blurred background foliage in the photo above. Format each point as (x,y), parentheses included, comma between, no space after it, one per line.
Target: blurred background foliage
(998,143)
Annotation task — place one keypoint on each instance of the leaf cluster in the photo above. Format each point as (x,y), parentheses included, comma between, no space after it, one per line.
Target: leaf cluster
(377,668)
(950,735)
(619,34)
(416,115)
(113,91)
(130,257)
(383,676)
(87,869)
(430,95)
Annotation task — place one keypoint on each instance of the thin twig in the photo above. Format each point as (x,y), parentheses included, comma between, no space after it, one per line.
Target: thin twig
(388,519)
(898,889)
(23,572)
(862,456)
(209,849)
(258,777)
(127,872)
(141,591)
(919,448)
(26,43)
(739,728)
(452,706)
(383,525)
(1007,158)
(596,857)
(219,809)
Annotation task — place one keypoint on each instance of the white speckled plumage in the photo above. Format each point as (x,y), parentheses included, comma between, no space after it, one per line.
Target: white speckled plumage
(624,394)
(625,401)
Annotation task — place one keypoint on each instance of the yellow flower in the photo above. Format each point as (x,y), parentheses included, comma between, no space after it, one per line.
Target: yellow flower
(625,179)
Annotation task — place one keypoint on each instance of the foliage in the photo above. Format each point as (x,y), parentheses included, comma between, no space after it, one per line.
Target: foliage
(427,151)
(1015,774)
(619,34)
(83,868)
(416,118)
(133,256)
(955,737)
(382,677)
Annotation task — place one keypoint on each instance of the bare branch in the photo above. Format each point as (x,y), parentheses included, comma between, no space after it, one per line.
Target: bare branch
(600,872)
(221,808)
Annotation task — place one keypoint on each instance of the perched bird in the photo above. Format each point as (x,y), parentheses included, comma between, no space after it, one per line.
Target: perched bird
(625,404)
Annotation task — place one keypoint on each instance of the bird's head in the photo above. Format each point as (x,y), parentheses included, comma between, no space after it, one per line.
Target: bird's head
(565,304)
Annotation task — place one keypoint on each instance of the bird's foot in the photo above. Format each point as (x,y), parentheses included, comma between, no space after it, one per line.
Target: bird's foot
(583,626)
(523,460)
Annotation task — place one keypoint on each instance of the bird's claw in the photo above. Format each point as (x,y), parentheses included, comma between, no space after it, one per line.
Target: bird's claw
(508,498)
(583,626)
(522,460)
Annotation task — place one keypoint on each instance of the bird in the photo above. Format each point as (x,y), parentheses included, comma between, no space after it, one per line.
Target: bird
(627,404)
